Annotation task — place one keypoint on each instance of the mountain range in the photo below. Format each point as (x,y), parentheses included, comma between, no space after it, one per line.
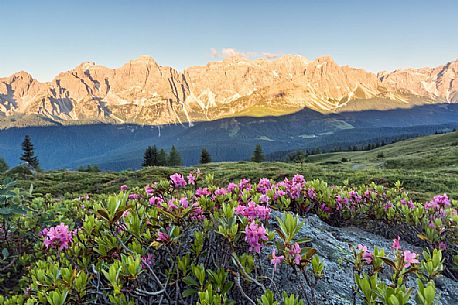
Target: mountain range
(143,92)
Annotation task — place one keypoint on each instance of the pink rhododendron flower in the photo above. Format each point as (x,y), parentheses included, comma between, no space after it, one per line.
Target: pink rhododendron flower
(221,192)
(156,201)
(255,235)
(298,179)
(149,190)
(184,202)
(388,206)
(191,179)
(264,199)
(245,184)
(123,188)
(147,261)
(253,211)
(134,196)
(197,212)
(231,187)
(396,243)
(163,236)
(325,208)
(263,185)
(295,251)
(311,193)
(276,260)
(410,258)
(442,246)
(202,192)
(178,180)
(59,236)
(366,254)
(171,204)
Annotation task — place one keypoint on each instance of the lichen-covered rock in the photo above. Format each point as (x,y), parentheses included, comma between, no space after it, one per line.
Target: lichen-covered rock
(333,244)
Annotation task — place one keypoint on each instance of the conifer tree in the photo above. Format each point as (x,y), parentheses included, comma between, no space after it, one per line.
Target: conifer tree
(162,158)
(258,155)
(3,166)
(205,156)
(28,153)
(150,157)
(174,157)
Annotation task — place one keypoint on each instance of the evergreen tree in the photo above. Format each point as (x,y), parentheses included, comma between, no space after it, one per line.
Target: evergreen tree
(205,156)
(3,166)
(258,155)
(162,158)
(28,154)
(174,157)
(150,157)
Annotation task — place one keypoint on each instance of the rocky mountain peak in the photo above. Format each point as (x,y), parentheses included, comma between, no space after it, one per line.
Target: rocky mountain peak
(142,91)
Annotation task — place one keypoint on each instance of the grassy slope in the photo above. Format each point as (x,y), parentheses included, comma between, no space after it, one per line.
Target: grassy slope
(426,166)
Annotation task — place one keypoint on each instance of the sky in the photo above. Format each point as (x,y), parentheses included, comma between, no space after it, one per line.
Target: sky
(47,37)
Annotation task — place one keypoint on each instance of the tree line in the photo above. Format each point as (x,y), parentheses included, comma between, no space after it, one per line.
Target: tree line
(159,157)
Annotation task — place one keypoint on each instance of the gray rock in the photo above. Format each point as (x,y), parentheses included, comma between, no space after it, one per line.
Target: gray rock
(332,244)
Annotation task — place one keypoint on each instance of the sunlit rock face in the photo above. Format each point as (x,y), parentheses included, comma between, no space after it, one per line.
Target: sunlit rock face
(142,91)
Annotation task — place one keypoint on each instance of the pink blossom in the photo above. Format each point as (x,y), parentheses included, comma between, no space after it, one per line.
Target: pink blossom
(276,260)
(221,192)
(254,235)
(202,192)
(442,246)
(156,201)
(263,185)
(264,199)
(171,204)
(311,193)
(197,212)
(396,243)
(253,211)
(149,190)
(388,206)
(178,180)
(245,184)
(184,202)
(163,236)
(191,179)
(295,251)
(59,236)
(134,196)
(123,188)
(325,208)
(231,187)
(298,179)
(410,258)
(147,260)
(366,254)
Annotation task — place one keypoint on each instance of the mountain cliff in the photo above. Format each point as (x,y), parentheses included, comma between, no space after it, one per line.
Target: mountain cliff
(142,91)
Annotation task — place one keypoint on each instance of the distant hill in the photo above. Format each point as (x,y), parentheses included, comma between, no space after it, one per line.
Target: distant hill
(425,166)
(120,147)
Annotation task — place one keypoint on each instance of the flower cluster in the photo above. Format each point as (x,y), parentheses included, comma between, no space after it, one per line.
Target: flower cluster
(253,211)
(255,236)
(59,236)
(178,180)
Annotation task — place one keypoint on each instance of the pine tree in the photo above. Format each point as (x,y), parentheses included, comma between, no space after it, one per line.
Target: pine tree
(258,155)
(205,156)
(3,166)
(174,157)
(147,157)
(28,154)
(150,157)
(162,158)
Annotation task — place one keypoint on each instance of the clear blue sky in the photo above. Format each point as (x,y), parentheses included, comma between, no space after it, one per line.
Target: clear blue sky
(46,37)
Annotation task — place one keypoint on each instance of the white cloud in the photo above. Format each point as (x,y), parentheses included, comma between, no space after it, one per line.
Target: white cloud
(231,52)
